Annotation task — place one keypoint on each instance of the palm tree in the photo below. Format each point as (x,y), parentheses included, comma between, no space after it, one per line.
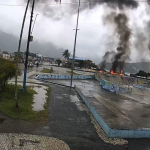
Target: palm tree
(58,62)
(66,54)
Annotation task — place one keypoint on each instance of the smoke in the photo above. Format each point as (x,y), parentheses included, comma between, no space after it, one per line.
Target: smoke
(50,8)
(148,31)
(124,33)
(142,41)
(103,63)
(120,23)
(108,55)
(117,62)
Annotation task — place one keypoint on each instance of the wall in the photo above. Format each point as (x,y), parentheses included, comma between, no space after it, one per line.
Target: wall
(53,76)
(109,86)
(124,83)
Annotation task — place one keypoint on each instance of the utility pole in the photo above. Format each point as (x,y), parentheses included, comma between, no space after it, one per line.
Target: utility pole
(28,44)
(75,41)
(34,23)
(20,40)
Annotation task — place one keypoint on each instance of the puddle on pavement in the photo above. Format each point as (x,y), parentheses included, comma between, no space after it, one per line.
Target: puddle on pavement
(39,98)
(75,100)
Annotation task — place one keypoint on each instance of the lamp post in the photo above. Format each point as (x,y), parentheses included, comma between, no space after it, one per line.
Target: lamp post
(74,50)
(20,40)
(28,44)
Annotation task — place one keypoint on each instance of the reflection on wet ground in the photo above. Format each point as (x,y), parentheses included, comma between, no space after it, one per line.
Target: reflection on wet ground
(77,102)
(39,98)
(119,111)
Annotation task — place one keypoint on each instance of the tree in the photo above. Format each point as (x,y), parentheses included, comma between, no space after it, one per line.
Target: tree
(66,54)
(7,71)
(58,61)
(1,55)
(5,52)
(81,63)
(18,55)
(142,73)
(88,63)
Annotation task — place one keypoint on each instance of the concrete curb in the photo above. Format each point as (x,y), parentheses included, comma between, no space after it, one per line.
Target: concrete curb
(45,84)
(110,132)
(56,83)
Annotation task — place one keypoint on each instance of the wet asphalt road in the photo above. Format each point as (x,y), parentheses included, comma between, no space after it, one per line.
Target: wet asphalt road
(70,124)
(73,126)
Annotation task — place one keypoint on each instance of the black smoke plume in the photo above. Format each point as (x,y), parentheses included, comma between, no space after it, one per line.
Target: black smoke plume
(106,57)
(57,13)
(117,63)
(124,33)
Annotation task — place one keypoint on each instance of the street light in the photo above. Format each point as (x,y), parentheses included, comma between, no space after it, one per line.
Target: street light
(28,44)
(20,40)
(74,50)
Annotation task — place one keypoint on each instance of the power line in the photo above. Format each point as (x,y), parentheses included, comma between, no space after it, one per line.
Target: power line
(55,4)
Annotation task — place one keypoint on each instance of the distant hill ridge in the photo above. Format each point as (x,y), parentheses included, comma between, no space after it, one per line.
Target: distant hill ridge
(133,67)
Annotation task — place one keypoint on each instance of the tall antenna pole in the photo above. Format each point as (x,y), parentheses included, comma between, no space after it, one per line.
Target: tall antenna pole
(28,44)
(34,23)
(75,41)
(20,40)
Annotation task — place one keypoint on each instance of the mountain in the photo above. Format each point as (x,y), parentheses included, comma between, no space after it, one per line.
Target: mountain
(133,67)
(9,42)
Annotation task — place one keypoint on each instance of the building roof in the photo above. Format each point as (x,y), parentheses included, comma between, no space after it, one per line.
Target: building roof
(77,58)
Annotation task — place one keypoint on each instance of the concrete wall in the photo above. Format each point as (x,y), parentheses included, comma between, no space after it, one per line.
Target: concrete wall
(53,76)
(125,83)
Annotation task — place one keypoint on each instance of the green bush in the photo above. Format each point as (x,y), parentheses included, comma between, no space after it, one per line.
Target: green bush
(7,71)
(143,74)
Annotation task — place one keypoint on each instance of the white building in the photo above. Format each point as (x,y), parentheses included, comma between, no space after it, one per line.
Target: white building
(39,55)
(6,56)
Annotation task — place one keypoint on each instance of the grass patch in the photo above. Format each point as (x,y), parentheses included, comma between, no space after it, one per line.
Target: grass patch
(25,100)
(73,73)
(46,71)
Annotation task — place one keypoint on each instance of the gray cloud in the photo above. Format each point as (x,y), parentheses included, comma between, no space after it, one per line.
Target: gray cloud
(142,41)
(91,39)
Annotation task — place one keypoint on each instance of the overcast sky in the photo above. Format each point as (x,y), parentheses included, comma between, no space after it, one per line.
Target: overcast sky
(54,32)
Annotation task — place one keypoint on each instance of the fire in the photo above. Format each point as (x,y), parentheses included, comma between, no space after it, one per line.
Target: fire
(101,71)
(121,74)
